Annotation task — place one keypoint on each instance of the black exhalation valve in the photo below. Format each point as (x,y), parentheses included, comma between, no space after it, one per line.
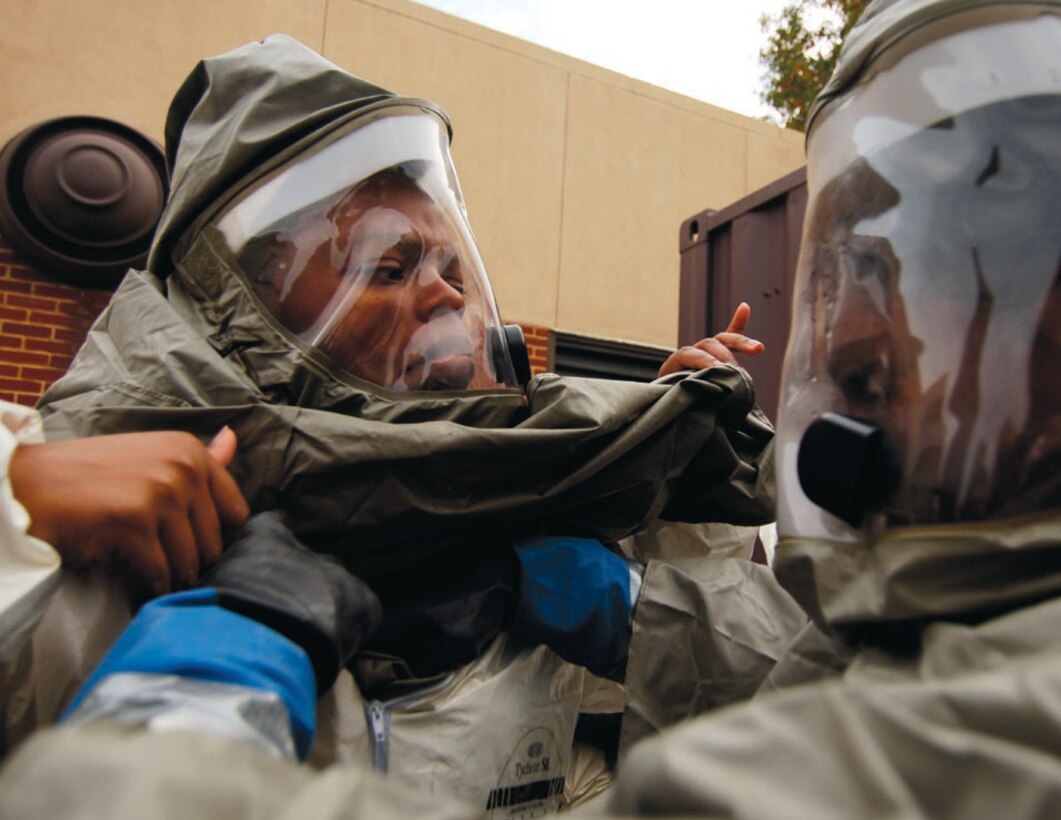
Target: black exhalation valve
(847,466)
(509,338)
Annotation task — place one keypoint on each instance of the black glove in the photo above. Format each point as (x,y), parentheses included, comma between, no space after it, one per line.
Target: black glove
(311,599)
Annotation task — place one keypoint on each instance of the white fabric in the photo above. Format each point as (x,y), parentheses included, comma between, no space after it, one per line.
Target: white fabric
(494,733)
(171,703)
(83,618)
(54,626)
(29,568)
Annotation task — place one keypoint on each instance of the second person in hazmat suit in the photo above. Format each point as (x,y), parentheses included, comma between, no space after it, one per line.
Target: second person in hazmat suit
(314,285)
(919,455)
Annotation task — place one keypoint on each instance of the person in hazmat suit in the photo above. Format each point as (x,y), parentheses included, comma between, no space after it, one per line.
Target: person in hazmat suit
(315,286)
(919,445)
(919,450)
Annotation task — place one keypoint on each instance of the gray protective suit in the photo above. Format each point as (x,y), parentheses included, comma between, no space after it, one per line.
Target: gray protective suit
(381,480)
(420,494)
(927,683)
(385,481)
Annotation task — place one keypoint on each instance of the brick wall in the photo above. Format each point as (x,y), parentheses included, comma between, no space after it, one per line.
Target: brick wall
(537,347)
(42,325)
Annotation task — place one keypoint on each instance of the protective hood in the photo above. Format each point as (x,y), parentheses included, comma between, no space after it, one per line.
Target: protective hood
(238,112)
(921,408)
(384,478)
(341,218)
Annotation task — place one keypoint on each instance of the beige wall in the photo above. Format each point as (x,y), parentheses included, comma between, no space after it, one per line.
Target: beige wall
(576,178)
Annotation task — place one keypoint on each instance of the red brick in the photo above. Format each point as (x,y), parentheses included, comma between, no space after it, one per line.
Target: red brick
(12,286)
(64,320)
(22,329)
(75,337)
(29,400)
(8,369)
(20,386)
(31,302)
(56,291)
(15,342)
(535,332)
(15,314)
(62,348)
(5,396)
(42,374)
(32,359)
(61,362)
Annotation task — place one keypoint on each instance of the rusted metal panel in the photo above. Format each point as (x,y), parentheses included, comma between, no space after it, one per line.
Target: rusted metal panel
(746,252)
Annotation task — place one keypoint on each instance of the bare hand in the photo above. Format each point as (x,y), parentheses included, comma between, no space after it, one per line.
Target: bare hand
(718,349)
(156,507)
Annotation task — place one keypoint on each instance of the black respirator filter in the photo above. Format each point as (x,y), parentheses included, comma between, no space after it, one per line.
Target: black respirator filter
(847,466)
(510,339)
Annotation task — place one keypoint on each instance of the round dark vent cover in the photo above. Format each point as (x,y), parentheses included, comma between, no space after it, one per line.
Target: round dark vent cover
(80,198)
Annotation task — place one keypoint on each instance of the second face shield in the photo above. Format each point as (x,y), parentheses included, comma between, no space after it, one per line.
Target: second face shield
(361,248)
(921,378)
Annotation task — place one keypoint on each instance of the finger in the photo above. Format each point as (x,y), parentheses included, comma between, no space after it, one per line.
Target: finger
(738,342)
(231,506)
(741,316)
(223,446)
(696,357)
(180,548)
(705,353)
(145,565)
(206,528)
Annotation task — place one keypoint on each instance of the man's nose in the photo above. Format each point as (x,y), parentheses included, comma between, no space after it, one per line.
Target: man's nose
(434,291)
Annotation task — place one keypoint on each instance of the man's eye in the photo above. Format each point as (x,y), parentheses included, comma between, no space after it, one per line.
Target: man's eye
(390,273)
(864,386)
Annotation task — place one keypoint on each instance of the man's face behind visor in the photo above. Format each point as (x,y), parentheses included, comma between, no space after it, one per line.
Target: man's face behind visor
(929,290)
(360,246)
(377,282)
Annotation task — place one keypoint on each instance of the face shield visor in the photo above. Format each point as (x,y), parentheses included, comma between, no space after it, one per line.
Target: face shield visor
(921,383)
(362,249)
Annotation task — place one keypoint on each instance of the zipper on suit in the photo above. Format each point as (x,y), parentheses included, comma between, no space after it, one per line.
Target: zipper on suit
(377,714)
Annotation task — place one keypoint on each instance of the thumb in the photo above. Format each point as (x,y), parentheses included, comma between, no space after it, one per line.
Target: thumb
(223,446)
(741,316)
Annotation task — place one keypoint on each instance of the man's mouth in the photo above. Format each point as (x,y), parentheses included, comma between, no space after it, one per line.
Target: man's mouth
(446,365)
(439,356)
(449,373)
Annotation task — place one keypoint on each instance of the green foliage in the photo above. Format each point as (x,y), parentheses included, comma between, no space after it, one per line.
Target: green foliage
(800,57)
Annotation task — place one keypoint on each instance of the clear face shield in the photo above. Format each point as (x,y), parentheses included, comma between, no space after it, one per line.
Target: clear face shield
(363,250)
(922,382)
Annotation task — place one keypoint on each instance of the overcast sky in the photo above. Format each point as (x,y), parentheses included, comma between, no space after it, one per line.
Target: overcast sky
(706,49)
